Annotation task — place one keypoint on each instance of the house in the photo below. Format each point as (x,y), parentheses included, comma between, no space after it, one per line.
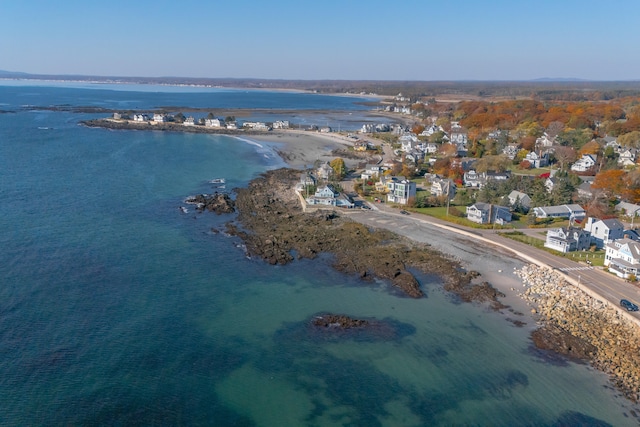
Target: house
(545,140)
(232,125)
(458,134)
(628,209)
(214,123)
(400,190)
(328,196)
(511,151)
(622,257)
(486,213)
(583,164)
(443,187)
(360,145)
(371,171)
(496,176)
(306,180)
(537,160)
(562,211)
(408,142)
(519,198)
(627,157)
(325,172)
(568,239)
(159,118)
(604,230)
(431,147)
(472,179)
(140,118)
(189,121)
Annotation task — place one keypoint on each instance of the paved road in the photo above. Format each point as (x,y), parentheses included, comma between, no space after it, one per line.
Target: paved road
(595,281)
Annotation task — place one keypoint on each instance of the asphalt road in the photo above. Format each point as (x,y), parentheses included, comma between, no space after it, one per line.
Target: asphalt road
(604,285)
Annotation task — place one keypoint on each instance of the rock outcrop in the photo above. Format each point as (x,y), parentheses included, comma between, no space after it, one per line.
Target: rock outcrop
(575,324)
(218,202)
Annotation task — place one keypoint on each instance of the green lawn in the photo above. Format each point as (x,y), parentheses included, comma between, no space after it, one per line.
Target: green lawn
(596,257)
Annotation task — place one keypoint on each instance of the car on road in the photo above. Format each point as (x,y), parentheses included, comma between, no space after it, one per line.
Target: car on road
(628,305)
(403,212)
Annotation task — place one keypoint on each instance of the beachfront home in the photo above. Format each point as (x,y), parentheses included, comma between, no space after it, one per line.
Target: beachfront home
(140,118)
(564,211)
(623,258)
(159,118)
(281,124)
(567,239)
(214,123)
(328,196)
(604,230)
(486,213)
(189,121)
(400,190)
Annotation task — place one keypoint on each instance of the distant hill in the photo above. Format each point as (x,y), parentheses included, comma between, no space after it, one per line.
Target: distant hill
(547,88)
(559,79)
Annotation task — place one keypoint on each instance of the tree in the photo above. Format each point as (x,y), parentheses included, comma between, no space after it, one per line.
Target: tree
(591,147)
(565,155)
(339,168)
(611,182)
(631,139)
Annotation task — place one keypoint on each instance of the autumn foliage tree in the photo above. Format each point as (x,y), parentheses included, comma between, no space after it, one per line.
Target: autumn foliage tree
(611,182)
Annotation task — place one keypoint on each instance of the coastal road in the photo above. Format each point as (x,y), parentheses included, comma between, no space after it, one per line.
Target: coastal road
(594,280)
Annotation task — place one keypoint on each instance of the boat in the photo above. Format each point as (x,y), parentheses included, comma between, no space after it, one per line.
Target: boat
(217,181)
(183,209)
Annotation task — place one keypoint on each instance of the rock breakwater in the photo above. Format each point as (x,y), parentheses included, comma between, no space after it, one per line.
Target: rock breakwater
(578,325)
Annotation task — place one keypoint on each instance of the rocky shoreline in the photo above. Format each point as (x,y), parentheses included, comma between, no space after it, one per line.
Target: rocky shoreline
(274,227)
(579,326)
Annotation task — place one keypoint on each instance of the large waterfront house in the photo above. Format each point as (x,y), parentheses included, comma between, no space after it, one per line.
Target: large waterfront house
(623,258)
(568,239)
(327,195)
(486,213)
(140,118)
(214,123)
(400,190)
(371,171)
(324,172)
(604,231)
(159,118)
(563,211)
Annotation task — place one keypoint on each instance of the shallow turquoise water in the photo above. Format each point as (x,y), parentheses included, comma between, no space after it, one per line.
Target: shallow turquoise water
(116,308)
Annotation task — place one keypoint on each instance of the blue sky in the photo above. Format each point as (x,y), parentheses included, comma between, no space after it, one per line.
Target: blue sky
(329,39)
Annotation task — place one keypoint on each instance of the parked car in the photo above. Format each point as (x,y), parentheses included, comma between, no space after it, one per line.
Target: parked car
(628,305)
(404,212)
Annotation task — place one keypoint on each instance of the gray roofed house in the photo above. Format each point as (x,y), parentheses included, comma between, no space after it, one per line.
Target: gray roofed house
(562,211)
(486,213)
(519,197)
(567,239)
(604,231)
(623,257)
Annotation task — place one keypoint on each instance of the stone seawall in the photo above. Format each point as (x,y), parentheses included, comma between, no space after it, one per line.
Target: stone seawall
(615,337)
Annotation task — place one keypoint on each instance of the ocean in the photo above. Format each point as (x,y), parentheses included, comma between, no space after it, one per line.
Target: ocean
(116,308)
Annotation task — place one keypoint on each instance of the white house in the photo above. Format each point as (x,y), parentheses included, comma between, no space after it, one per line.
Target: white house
(545,140)
(472,179)
(372,171)
(486,213)
(140,118)
(408,142)
(627,157)
(583,164)
(562,211)
(567,239)
(281,124)
(189,121)
(400,190)
(623,257)
(328,196)
(443,186)
(604,231)
(159,118)
(214,123)
(537,160)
